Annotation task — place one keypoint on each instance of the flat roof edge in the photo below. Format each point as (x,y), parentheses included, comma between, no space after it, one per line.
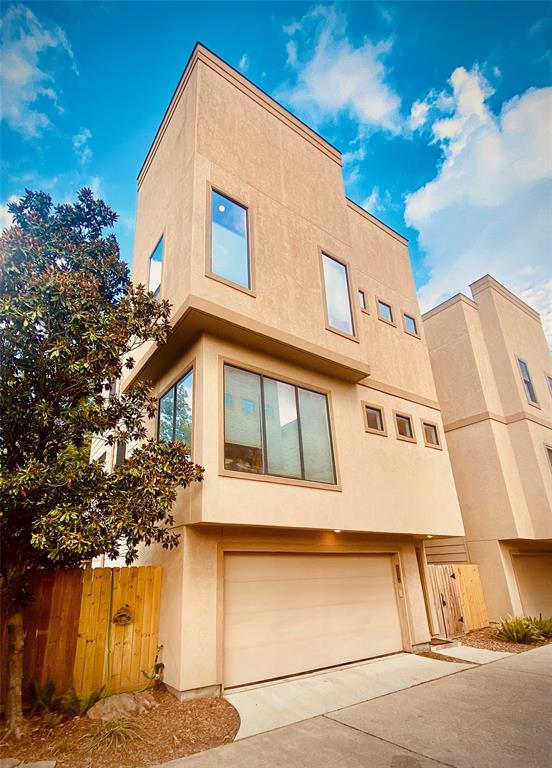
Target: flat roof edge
(488,281)
(378,222)
(456,299)
(204,55)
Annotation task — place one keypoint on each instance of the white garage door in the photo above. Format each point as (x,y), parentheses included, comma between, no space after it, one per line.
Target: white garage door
(286,613)
(534,578)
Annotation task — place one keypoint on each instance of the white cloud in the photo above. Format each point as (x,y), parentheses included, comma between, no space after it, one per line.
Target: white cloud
(26,86)
(6,219)
(418,115)
(333,77)
(95,185)
(244,63)
(373,202)
(489,207)
(81,146)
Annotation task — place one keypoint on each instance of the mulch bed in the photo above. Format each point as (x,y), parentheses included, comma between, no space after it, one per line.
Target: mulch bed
(172,729)
(485,638)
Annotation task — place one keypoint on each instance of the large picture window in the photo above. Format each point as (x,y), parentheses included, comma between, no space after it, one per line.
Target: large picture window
(275,428)
(229,240)
(175,411)
(338,299)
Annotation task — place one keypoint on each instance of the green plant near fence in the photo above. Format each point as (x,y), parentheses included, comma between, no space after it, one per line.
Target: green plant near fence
(523,629)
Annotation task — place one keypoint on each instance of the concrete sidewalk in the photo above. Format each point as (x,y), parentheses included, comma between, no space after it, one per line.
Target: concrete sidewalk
(493,716)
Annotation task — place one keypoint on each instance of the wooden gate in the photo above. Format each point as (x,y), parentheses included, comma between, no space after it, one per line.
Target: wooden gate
(458,598)
(70,635)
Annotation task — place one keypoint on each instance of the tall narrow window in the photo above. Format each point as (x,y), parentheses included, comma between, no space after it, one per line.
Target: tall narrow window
(155,267)
(229,240)
(527,383)
(338,300)
(362,300)
(275,428)
(175,411)
(549,380)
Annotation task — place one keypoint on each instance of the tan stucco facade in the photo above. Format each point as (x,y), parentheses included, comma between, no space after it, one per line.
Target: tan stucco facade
(498,438)
(220,132)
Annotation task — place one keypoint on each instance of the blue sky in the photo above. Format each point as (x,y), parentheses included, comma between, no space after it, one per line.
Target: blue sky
(443,112)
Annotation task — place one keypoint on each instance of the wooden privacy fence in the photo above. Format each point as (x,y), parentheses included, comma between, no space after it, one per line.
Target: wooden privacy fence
(458,598)
(94,628)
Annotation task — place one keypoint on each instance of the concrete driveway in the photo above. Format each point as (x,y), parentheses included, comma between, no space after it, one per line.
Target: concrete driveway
(493,716)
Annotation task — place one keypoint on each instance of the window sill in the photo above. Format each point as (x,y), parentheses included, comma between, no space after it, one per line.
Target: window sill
(279,480)
(230,284)
(392,323)
(345,335)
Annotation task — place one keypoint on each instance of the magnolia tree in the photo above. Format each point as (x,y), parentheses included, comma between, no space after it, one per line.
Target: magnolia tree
(69,321)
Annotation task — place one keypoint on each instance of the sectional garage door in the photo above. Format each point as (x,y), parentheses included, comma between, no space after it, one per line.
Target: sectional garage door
(289,613)
(534,578)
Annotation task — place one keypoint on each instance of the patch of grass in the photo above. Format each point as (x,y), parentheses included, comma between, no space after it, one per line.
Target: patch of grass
(518,629)
(120,734)
(544,626)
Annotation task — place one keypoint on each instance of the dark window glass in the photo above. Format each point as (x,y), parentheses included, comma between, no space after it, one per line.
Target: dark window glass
(404,426)
(385,311)
(431,434)
(229,241)
(549,379)
(527,383)
(175,411)
(280,429)
(549,452)
(120,453)
(410,324)
(155,267)
(338,300)
(374,418)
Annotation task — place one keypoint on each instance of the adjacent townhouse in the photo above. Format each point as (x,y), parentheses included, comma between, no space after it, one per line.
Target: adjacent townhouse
(298,372)
(493,372)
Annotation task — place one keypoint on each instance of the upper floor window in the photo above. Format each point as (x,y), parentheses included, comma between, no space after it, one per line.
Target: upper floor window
(549,380)
(405,428)
(410,324)
(385,312)
(338,298)
(229,240)
(175,411)
(374,420)
(155,268)
(431,434)
(275,428)
(362,300)
(527,383)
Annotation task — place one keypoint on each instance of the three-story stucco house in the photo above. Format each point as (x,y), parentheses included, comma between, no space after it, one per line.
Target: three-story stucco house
(298,370)
(493,373)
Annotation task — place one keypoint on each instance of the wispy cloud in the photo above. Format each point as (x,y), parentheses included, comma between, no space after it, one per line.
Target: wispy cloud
(81,145)
(27,85)
(333,78)
(488,207)
(6,218)
(243,65)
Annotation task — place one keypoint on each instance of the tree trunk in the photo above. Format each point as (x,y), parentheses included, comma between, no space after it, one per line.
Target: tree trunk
(15,723)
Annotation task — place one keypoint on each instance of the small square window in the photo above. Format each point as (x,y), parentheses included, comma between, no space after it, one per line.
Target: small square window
(385,312)
(405,429)
(410,325)
(373,419)
(248,406)
(362,301)
(431,434)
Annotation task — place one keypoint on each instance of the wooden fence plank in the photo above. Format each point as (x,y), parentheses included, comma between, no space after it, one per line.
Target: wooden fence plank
(473,600)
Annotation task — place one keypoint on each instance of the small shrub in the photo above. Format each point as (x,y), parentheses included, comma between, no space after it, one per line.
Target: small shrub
(42,696)
(118,734)
(517,629)
(70,703)
(544,626)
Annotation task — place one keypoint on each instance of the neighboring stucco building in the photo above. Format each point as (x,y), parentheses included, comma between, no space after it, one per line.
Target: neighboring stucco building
(299,371)
(493,373)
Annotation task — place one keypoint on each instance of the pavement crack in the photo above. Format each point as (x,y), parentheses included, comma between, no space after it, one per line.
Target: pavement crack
(393,743)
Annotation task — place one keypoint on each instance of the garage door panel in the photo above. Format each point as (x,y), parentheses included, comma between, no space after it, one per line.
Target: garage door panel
(285,614)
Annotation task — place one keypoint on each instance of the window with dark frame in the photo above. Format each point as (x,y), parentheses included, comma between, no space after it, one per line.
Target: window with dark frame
(286,433)
(175,417)
(549,452)
(362,300)
(338,299)
(527,382)
(404,426)
(410,324)
(549,380)
(374,418)
(385,311)
(431,433)
(120,453)
(155,269)
(229,240)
